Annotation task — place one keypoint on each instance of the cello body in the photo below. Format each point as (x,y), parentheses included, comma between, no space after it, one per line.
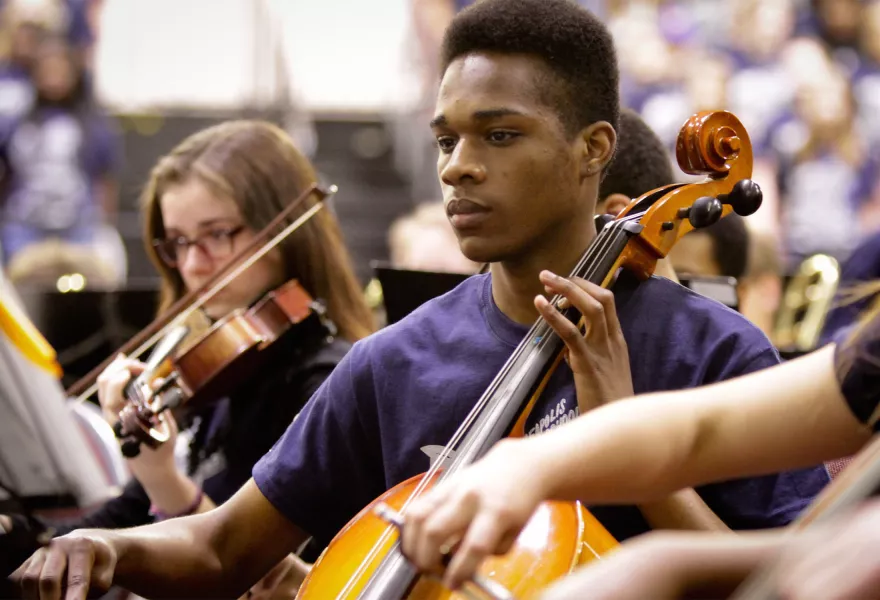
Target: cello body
(559,537)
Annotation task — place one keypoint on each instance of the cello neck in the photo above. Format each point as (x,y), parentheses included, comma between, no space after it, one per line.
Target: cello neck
(526,371)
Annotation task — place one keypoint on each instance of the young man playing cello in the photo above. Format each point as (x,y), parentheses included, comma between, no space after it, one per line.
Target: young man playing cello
(521,157)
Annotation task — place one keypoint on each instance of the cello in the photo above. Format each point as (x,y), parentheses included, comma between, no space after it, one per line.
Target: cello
(364,560)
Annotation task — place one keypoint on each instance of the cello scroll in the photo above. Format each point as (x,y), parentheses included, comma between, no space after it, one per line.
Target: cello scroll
(715,144)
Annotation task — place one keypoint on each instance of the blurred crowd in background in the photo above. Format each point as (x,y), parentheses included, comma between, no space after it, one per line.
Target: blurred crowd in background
(59,150)
(802,75)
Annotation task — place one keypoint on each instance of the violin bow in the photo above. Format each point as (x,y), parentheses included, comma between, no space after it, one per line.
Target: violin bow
(195,299)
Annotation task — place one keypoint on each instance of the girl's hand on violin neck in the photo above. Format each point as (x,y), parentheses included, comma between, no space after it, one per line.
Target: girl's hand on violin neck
(69,567)
(476,513)
(157,463)
(598,358)
(149,463)
(111,383)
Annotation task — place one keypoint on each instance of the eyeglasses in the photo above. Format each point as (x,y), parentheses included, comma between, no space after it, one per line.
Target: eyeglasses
(216,243)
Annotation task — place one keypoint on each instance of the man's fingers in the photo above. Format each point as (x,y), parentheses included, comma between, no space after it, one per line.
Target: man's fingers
(565,329)
(443,526)
(102,575)
(52,575)
(79,570)
(589,299)
(28,574)
(415,517)
(482,539)
(605,298)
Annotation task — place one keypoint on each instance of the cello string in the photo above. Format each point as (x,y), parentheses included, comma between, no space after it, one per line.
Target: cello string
(502,377)
(587,267)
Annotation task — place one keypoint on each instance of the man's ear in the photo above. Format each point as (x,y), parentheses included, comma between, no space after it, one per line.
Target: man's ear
(600,140)
(613,204)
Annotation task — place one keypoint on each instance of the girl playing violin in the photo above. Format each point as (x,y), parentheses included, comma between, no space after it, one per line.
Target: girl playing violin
(204,201)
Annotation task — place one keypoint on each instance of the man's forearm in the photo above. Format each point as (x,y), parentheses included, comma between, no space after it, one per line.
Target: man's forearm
(173,559)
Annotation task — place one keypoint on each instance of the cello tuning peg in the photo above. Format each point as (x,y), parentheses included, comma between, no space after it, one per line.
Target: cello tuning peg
(705,211)
(745,197)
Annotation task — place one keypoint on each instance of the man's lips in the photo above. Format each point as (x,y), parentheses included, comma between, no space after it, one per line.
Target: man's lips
(466,214)
(463,206)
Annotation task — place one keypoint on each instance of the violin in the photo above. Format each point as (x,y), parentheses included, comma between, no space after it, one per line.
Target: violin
(364,560)
(220,360)
(227,354)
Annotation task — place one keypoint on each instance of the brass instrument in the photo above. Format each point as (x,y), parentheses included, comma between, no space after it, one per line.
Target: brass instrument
(805,304)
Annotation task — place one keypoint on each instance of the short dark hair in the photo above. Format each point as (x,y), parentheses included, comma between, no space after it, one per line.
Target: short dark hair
(582,86)
(730,244)
(641,163)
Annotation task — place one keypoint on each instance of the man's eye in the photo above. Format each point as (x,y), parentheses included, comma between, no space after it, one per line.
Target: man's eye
(502,136)
(446,144)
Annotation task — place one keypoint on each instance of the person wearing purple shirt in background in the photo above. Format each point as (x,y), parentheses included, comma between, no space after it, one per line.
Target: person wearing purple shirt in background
(525,125)
(59,158)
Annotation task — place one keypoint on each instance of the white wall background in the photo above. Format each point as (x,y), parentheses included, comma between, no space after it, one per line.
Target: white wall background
(339,55)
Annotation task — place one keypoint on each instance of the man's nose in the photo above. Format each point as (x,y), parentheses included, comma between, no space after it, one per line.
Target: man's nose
(462,164)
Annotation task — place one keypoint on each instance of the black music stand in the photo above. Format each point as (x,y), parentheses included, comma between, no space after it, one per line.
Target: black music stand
(404,290)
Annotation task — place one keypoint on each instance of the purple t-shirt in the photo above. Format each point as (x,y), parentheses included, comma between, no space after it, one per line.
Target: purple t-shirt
(399,395)
(55,157)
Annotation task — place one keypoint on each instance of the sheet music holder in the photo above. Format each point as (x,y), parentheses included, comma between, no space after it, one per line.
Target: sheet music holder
(45,457)
(86,327)
(404,290)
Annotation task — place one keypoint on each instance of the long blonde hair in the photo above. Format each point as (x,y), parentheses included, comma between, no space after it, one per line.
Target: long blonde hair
(256,164)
